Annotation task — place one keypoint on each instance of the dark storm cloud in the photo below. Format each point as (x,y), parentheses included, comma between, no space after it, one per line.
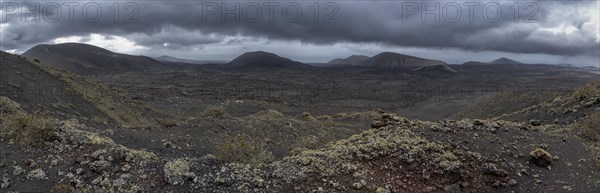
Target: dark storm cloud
(396,23)
(174,36)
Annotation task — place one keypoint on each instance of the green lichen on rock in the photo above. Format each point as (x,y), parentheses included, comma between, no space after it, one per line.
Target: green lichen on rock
(177,172)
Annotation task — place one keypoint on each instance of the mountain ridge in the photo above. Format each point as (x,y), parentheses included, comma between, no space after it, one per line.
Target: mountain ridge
(394,60)
(505,60)
(353,60)
(85,59)
(264,59)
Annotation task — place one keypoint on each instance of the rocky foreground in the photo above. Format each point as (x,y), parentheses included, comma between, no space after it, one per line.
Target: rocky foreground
(394,155)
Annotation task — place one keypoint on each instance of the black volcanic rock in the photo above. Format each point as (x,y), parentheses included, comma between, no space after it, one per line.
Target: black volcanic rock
(354,60)
(504,60)
(86,59)
(264,59)
(393,60)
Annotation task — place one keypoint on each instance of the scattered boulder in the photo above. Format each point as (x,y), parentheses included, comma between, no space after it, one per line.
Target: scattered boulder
(491,169)
(534,122)
(18,170)
(37,174)
(79,171)
(98,154)
(359,185)
(541,157)
(31,163)
(477,123)
(5,183)
(177,172)
(125,168)
(100,165)
(385,120)
(382,190)
(453,188)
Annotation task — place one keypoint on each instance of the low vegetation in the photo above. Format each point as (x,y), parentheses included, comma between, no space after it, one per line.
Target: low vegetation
(31,130)
(588,91)
(116,107)
(308,117)
(241,148)
(590,128)
(62,188)
(8,106)
(167,122)
(218,111)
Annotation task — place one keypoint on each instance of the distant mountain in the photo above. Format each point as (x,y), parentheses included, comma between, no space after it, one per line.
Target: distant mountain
(504,60)
(86,59)
(165,58)
(566,65)
(263,59)
(475,63)
(354,60)
(393,60)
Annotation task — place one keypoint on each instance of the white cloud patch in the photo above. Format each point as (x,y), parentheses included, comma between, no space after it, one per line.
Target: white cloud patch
(110,42)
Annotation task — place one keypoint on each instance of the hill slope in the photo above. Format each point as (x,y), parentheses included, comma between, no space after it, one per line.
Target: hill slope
(83,59)
(39,87)
(504,60)
(439,71)
(393,60)
(354,60)
(475,63)
(264,59)
(172,59)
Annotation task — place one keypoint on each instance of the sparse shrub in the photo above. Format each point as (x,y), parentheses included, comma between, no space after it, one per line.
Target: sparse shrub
(308,142)
(167,122)
(100,119)
(30,130)
(36,60)
(215,112)
(307,116)
(588,91)
(326,117)
(591,126)
(62,188)
(8,106)
(241,148)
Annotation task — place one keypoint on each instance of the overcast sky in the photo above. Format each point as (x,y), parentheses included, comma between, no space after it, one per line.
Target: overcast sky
(529,31)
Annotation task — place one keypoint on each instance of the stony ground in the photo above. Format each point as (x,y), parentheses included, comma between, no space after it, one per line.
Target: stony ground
(394,155)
